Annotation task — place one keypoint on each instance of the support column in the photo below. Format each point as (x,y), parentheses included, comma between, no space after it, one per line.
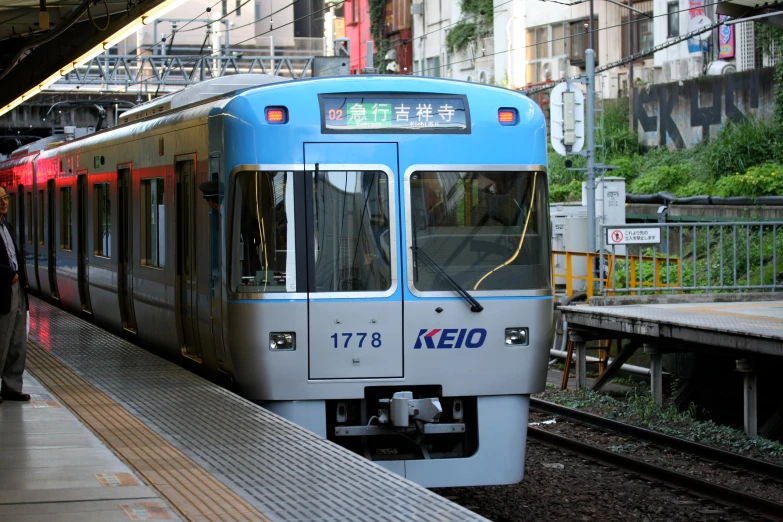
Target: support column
(580,349)
(656,373)
(751,405)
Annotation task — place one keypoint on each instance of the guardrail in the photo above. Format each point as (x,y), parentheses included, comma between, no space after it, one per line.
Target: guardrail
(692,257)
(596,284)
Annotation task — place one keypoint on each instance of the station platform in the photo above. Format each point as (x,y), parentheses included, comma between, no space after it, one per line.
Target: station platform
(746,324)
(116,433)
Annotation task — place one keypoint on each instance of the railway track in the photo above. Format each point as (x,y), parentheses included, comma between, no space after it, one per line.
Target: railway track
(700,487)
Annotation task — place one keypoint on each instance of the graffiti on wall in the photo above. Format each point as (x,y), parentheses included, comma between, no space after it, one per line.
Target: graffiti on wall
(680,115)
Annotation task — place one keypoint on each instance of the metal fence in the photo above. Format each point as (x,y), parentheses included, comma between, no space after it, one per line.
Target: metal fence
(691,257)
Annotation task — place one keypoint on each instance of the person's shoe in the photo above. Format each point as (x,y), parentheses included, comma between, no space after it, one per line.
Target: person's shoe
(15,396)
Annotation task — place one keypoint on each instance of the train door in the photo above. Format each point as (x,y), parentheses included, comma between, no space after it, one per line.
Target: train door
(187,291)
(125,244)
(51,236)
(81,225)
(38,241)
(21,235)
(215,285)
(354,298)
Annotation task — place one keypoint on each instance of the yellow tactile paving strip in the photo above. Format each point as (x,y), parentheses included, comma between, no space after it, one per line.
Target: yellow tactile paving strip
(192,492)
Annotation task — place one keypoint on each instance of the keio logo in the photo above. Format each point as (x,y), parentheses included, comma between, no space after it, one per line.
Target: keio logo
(451,338)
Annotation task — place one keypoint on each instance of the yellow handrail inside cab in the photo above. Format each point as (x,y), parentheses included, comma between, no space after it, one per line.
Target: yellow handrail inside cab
(591,259)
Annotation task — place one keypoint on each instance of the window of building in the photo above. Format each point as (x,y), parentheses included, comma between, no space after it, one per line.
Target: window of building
(673,9)
(152,223)
(263,247)
(433,67)
(258,11)
(538,43)
(559,43)
(224,7)
(355,10)
(102,220)
(642,27)
(238,9)
(580,41)
(352,234)
(65,218)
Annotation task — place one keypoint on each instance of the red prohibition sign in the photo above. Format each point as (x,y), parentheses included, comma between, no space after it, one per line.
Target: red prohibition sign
(617,236)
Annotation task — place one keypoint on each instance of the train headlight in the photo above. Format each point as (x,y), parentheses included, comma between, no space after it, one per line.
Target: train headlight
(282,341)
(516,336)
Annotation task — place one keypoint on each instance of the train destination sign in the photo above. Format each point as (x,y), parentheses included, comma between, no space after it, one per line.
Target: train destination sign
(390,113)
(633,236)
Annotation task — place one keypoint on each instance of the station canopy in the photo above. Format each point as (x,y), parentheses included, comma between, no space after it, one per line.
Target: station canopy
(39,39)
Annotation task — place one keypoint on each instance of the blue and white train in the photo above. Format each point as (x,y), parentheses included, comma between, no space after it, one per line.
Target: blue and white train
(368,257)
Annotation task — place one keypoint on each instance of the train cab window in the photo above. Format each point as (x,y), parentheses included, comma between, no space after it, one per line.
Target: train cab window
(352,231)
(28,225)
(263,247)
(487,230)
(41,217)
(65,219)
(102,219)
(152,223)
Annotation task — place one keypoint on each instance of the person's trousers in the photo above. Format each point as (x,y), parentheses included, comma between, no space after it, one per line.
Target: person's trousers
(13,341)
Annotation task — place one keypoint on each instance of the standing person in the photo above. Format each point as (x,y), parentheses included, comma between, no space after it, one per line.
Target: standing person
(13,309)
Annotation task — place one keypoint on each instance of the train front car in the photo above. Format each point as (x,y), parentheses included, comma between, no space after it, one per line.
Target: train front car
(388,255)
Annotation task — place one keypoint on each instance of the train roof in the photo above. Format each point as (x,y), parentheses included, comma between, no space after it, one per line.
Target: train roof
(199,92)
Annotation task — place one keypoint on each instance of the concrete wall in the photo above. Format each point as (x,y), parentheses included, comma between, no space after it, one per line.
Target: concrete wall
(682,114)
(699,213)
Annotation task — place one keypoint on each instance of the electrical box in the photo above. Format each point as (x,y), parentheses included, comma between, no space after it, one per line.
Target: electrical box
(569,233)
(609,204)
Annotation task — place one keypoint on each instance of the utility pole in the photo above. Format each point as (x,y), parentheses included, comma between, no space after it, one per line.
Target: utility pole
(590,134)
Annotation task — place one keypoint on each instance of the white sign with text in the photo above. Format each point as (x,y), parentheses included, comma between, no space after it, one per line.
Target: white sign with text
(632,236)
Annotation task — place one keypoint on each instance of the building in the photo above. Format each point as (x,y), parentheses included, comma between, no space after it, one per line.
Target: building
(433,21)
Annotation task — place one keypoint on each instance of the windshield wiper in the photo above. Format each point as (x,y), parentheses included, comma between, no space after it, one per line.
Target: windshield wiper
(474,305)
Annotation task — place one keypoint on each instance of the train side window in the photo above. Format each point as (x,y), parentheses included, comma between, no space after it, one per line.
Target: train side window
(102,220)
(41,217)
(28,226)
(66,230)
(352,231)
(152,223)
(12,206)
(263,247)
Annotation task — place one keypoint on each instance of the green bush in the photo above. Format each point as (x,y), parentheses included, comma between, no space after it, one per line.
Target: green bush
(663,178)
(766,180)
(571,191)
(738,147)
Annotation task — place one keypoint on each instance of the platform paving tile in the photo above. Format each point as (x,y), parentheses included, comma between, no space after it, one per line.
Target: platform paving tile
(52,468)
(250,449)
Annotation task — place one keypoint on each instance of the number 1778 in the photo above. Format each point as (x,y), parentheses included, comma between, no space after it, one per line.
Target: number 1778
(357,340)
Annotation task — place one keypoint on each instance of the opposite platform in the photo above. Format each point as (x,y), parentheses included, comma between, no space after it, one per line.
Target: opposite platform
(179,433)
(739,326)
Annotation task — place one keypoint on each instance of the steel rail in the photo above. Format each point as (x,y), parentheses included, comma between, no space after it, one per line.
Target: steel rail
(727,458)
(720,494)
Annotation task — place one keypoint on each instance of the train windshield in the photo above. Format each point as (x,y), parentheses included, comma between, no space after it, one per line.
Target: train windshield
(352,234)
(263,257)
(487,230)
